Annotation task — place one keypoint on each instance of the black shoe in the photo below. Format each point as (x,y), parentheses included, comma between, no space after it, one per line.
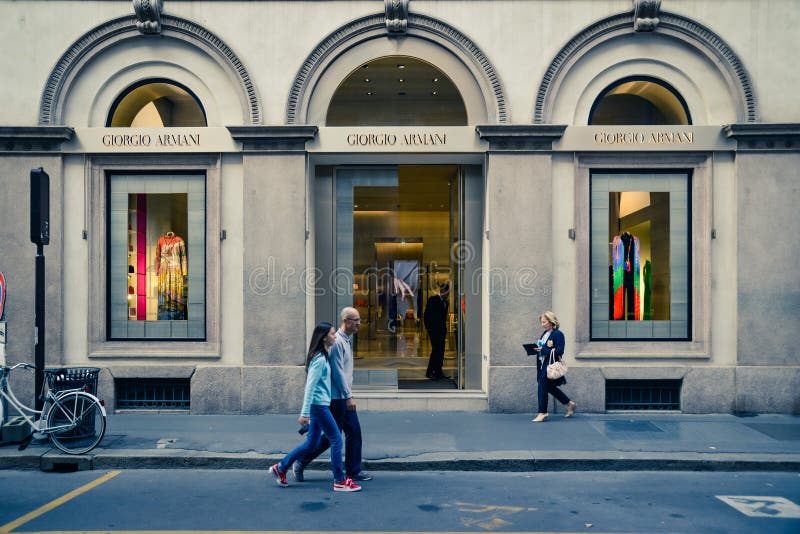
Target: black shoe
(361,476)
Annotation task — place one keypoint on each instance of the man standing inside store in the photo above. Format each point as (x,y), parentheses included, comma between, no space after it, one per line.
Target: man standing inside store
(436,324)
(343,405)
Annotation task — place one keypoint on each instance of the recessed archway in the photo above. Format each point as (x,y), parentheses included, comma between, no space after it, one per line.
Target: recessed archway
(115,55)
(426,39)
(639,101)
(156,104)
(698,64)
(397,90)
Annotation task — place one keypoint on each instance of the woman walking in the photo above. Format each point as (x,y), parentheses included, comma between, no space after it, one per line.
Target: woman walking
(316,412)
(551,342)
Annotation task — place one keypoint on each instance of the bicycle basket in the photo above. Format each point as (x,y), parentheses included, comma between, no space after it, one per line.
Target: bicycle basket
(72,378)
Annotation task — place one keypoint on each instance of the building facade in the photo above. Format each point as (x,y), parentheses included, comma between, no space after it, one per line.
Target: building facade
(224,175)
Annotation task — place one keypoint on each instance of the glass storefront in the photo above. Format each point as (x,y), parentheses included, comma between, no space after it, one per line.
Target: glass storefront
(157,257)
(640,257)
(398,235)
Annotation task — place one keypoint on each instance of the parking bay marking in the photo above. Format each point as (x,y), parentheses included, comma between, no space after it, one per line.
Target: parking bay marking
(762,506)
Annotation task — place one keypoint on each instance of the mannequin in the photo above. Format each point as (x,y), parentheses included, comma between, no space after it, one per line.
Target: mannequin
(625,277)
(171,269)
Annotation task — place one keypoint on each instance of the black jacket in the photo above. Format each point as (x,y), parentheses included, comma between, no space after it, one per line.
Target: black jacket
(436,316)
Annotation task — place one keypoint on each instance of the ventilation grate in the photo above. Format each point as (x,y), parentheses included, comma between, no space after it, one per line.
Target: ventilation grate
(153,393)
(643,394)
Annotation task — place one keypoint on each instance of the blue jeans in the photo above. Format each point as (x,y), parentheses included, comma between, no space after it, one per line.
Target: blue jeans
(348,422)
(322,422)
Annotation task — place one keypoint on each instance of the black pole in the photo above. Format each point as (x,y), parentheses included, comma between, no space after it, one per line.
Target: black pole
(40,234)
(39,325)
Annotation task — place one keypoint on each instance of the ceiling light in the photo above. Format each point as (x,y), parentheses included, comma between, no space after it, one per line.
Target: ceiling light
(435,80)
(401,80)
(434,93)
(366,80)
(369,93)
(401,66)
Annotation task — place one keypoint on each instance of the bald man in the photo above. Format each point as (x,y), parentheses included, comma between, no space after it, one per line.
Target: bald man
(343,405)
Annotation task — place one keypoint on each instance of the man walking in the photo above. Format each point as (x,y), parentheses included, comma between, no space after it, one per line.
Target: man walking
(343,406)
(436,324)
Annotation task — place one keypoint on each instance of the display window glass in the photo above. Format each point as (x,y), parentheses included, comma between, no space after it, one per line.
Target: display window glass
(157,257)
(640,256)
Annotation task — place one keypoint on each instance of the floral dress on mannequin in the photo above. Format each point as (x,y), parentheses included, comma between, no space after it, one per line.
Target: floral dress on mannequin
(171,268)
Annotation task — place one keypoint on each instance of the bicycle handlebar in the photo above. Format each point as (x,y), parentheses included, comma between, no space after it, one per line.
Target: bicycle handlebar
(23,365)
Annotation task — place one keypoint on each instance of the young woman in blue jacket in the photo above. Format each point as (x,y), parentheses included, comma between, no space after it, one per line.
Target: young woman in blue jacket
(316,412)
(550,342)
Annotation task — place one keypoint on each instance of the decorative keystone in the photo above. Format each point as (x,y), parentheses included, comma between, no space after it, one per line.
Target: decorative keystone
(645,15)
(148,15)
(521,137)
(396,15)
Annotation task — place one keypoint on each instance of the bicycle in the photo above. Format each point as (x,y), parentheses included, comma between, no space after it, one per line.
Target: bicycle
(74,420)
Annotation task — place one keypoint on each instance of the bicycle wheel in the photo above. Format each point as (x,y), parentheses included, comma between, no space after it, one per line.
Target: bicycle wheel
(77,422)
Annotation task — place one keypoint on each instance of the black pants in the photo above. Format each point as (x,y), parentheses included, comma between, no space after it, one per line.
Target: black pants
(547,386)
(436,359)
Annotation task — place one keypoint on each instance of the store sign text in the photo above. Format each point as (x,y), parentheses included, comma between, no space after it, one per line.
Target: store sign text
(643,138)
(388,139)
(146,140)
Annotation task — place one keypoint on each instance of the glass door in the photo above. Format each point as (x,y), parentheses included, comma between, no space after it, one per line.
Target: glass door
(390,240)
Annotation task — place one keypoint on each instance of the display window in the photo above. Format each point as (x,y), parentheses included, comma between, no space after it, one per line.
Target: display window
(157,257)
(640,256)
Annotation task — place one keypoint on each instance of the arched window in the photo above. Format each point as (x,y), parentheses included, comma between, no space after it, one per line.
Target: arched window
(399,91)
(642,101)
(154,104)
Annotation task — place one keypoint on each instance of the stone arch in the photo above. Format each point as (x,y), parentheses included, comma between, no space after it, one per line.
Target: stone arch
(109,33)
(374,27)
(691,33)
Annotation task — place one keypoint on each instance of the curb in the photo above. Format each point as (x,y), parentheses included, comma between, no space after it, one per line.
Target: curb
(500,461)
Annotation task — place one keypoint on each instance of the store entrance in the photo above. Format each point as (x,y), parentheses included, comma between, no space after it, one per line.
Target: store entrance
(387,239)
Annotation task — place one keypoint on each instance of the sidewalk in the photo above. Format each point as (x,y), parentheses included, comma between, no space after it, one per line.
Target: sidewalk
(461,441)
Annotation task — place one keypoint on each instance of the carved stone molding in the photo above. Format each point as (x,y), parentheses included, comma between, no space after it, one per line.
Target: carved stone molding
(148,15)
(273,138)
(521,137)
(645,15)
(92,43)
(692,32)
(396,15)
(765,137)
(34,138)
(365,25)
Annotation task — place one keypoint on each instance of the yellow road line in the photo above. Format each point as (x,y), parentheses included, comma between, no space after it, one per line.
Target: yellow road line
(8,527)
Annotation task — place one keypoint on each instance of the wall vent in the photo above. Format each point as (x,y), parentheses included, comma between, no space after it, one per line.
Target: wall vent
(643,394)
(152,393)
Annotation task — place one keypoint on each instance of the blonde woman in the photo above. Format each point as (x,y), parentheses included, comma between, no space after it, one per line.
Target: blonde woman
(550,342)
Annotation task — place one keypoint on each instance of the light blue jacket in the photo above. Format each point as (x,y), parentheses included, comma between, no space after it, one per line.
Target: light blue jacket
(318,384)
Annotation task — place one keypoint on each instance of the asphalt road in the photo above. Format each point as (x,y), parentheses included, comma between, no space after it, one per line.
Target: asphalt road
(208,501)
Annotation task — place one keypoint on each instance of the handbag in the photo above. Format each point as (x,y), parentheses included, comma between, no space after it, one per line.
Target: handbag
(555,368)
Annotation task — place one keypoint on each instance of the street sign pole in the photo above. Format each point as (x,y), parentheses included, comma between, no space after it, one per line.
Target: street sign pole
(40,234)
(39,326)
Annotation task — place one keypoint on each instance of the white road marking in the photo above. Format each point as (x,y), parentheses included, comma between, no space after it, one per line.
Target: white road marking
(762,506)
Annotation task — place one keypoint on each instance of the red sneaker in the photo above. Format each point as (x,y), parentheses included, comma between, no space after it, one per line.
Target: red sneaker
(346,485)
(280,475)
